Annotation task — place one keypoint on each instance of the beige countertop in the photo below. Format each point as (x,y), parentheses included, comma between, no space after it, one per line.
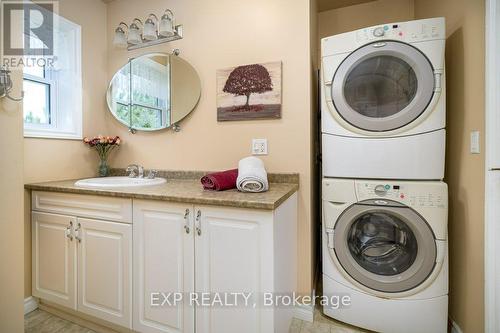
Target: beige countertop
(182,191)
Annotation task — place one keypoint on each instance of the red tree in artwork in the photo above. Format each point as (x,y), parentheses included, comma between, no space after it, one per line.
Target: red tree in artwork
(248,79)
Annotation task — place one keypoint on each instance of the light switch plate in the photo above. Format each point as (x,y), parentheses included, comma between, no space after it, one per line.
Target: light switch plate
(474,142)
(259,146)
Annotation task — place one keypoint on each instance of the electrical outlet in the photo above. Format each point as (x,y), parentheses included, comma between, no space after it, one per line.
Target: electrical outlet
(259,147)
(474,143)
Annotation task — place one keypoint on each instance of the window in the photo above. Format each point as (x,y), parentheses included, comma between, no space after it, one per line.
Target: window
(148,107)
(53,86)
(150,99)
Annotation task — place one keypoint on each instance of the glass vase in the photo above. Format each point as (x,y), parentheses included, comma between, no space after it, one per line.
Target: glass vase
(103,167)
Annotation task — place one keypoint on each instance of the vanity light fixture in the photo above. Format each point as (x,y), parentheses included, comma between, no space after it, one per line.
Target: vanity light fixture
(154,31)
(6,85)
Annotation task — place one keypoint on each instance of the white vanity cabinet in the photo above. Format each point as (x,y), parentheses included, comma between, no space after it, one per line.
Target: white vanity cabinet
(54,258)
(81,263)
(165,249)
(163,263)
(104,270)
(234,250)
(208,250)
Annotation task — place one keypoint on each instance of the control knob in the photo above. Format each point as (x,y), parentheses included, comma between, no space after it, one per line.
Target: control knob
(378,32)
(380,190)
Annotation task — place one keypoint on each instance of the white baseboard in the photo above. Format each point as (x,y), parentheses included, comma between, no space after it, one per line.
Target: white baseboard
(30,304)
(304,312)
(454,326)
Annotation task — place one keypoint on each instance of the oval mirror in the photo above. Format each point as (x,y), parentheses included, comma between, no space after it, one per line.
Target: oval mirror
(153,92)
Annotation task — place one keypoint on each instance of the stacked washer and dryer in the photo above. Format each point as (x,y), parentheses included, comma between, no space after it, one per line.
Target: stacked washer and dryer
(385,206)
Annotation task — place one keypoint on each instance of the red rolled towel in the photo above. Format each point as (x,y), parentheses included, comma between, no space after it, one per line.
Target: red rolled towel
(220,181)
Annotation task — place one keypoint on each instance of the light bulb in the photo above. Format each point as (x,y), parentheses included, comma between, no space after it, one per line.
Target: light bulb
(166,26)
(149,30)
(134,34)
(120,40)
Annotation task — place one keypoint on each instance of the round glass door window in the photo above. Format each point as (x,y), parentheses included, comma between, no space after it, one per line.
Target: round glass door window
(382,243)
(380,86)
(383,86)
(390,249)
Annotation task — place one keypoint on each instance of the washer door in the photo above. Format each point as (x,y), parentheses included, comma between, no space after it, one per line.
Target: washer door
(383,86)
(389,249)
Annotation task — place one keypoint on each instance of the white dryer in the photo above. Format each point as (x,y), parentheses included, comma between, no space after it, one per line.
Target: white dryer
(385,246)
(383,102)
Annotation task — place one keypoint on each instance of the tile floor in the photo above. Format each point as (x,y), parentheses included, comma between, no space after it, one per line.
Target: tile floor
(322,324)
(40,321)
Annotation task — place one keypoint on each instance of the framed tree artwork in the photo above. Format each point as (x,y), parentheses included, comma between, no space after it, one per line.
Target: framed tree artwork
(249,92)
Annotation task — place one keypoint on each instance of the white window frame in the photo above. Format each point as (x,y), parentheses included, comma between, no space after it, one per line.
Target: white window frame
(52,103)
(492,172)
(53,131)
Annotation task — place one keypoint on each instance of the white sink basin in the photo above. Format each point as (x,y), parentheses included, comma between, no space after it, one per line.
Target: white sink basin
(114,182)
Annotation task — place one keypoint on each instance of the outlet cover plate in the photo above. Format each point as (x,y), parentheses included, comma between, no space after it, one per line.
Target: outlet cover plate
(259,146)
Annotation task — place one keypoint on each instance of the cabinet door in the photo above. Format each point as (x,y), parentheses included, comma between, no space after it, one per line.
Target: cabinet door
(163,263)
(105,270)
(54,258)
(233,253)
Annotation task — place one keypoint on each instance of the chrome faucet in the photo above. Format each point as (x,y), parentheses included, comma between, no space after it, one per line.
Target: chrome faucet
(152,174)
(135,170)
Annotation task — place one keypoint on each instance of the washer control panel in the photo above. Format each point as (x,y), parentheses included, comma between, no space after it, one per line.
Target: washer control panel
(412,31)
(433,195)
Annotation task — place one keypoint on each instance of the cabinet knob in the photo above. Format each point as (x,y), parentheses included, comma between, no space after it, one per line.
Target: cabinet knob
(186,221)
(77,233)
(198,223)
(69,231)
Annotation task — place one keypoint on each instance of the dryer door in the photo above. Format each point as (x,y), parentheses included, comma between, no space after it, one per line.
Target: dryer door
(387,248)
(383,86)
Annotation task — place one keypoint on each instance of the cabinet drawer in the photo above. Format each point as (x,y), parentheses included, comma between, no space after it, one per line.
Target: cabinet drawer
(99,207)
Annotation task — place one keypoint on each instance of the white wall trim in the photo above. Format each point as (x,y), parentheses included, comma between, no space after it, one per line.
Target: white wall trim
(454,327)
(492,177)
(30,304)
(304,312)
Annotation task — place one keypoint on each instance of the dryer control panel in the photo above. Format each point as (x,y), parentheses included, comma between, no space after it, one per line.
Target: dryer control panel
(412,31)
(413,194)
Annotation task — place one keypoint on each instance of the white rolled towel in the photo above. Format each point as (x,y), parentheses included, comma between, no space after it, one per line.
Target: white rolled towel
(252,176)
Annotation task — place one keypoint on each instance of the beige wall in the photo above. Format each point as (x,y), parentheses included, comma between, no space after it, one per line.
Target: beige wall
(11,207)
(220,34)
(464,172)
(47,159)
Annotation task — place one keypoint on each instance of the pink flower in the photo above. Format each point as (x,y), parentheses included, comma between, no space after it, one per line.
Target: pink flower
(102,141)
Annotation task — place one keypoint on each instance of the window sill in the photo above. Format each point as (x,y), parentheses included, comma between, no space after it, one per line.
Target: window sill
(30,134)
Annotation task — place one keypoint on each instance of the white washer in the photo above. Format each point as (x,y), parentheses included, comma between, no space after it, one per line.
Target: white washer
(383,102)
(385,245)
